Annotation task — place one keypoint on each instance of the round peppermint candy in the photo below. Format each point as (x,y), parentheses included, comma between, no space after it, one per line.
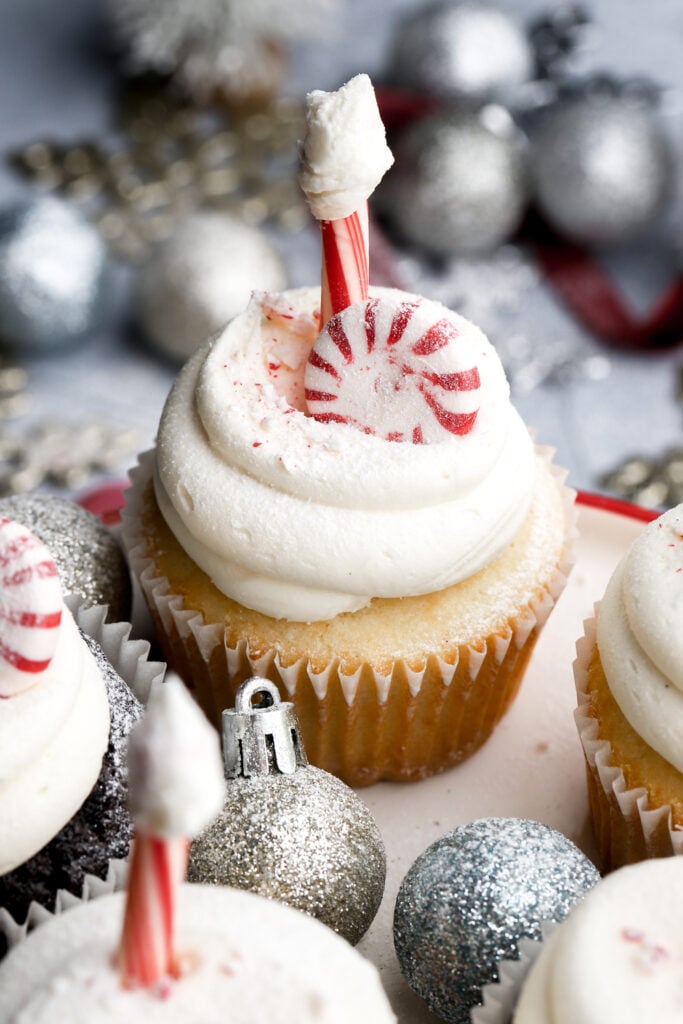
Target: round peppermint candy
(30,608)
(401,368)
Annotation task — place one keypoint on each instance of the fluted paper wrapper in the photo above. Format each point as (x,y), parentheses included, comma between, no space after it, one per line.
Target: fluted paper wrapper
(627,827)
(500,997)
(365,726)
(129,659)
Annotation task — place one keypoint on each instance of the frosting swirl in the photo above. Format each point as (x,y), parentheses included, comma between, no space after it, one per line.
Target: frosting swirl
(52,740)
(304,520)
(640,638)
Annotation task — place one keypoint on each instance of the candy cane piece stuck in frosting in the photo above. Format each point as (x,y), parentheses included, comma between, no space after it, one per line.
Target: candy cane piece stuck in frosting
(176,786)
(345,273)
(344,157)
(405,370)
(30,608)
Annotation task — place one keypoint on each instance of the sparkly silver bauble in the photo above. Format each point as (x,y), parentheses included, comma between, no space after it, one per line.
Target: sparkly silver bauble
(456,50)
(602,167)
(53,276)
(289,831)
(459,185)
(87,555)
(200,278)
(470,897)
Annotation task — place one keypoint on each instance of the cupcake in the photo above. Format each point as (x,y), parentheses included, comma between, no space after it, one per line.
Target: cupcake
(64,717)
(358,513)
(617,957)
(190,953)
(629,681)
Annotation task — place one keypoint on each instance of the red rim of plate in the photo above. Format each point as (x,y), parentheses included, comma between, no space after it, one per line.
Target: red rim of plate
(620,508)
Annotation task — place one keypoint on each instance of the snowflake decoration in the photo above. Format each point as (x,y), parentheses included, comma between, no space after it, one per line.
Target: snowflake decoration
(173,156)
(62,454)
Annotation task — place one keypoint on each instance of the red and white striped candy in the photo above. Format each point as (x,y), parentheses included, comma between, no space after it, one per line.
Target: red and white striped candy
(157,868)
(30,608)
(400,369)
(345,272)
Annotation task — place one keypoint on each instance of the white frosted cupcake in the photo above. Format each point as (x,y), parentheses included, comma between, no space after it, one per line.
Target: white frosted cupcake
(629,679)
(243,958)
(357,513)
(618,955)
(65,713)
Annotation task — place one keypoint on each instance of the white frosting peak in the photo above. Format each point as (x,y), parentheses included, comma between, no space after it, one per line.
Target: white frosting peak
(617,957)
(640,636)
(344,154)
(175,769)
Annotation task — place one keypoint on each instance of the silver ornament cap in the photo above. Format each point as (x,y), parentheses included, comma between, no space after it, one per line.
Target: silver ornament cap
(262,739)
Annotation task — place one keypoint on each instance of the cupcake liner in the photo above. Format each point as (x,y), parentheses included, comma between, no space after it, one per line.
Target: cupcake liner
(129,659)
(627,828)
(438,714)
(500,997)
(93,887)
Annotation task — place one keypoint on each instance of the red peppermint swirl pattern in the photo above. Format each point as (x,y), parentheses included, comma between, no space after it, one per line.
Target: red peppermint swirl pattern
(30,608)
(403,370)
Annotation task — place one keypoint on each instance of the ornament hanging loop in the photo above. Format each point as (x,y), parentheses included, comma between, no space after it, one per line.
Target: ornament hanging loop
(261,739)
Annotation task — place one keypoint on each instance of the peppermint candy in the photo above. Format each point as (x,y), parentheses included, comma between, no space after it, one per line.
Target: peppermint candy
(405,370)
(30,608)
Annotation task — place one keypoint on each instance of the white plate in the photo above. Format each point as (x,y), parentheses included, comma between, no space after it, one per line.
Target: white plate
(532,767)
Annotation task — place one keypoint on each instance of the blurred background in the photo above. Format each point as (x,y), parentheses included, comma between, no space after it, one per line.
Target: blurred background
(148,182)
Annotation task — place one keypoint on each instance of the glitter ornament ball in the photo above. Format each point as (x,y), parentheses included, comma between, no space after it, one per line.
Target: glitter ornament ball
(468,899)
(459,185)
(87,555)
(456,51)
(53,276)
(200,278)
(602,167)
(289,831)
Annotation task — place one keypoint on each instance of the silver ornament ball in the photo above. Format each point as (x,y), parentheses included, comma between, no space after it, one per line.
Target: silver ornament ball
(470,897)
(460,50)
(459,186)
(196,281)
(289,831)
(602,168)
(54,283)
(88,557)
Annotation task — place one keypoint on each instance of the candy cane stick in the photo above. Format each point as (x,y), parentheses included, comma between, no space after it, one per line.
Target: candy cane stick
(345,272)
(176,786)
(157,869)
(343,159)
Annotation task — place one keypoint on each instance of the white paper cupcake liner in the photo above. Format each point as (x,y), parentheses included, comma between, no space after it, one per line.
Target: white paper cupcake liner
(93,888)
(129,659)
(655,834)
(500,997)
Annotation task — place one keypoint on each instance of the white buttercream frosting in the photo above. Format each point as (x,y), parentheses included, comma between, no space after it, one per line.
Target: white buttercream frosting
(52,740)
(617,957)
(640,636)
(247,960)
(344,153)
(175,768)
(304,520)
